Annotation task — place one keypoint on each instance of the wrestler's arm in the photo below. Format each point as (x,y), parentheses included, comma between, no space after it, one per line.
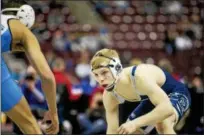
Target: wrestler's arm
(163,108)
(32,49)
(112,113)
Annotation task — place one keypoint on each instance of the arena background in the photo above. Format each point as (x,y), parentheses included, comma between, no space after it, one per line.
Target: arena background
(166,33)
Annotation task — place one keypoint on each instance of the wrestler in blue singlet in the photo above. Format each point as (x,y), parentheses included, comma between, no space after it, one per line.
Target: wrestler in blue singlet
(177,92)
(10,92)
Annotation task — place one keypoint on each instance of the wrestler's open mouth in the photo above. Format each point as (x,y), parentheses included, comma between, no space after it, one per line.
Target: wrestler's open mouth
(105,85)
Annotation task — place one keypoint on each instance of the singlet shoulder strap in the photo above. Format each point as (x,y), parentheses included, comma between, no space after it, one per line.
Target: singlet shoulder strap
(132,76)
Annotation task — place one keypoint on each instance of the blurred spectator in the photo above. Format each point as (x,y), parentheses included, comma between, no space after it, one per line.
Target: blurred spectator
(150,8)
(150,61)
(55,18)
(121,3)
(60,41)
(61,78)
(32,90)
(183,43)
(194,123)
(105,38)
(93,121)
(18,71)
(198,84)
(185,38)
(50,57)
(196,26)
(66,98)
(83,71)
(174,7)
(90,42)
(166,65)
(16,65)
(83,68)
(135,61)
(100,4)
(170,46)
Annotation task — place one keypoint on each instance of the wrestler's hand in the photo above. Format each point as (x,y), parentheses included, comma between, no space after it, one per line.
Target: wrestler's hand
(51,119)
(127,128)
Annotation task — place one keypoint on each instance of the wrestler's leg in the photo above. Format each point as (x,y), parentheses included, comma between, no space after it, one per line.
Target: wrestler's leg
(139,132)
(182,121)
(21,115)
(181,103)
(167,126)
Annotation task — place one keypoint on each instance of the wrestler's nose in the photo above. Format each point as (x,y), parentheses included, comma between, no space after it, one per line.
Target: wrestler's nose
(101,78)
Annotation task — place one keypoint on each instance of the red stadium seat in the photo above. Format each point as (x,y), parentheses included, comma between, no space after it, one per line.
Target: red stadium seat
(130,11)
(118,36)
(130,36)
(116,19)
(153,36)
(148,28)
(124,27)
(138,19)
(141,36)
(122,44)
(127,19)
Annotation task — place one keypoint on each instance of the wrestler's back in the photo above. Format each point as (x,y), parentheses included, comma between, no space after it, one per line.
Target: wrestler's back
(125,87)
(6,36)
(151,72)
(6,39)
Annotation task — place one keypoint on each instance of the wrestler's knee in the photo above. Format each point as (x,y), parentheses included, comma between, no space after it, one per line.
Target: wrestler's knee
(165,127)
(139,132)
(31,129)
(160,128)
(21,115)
(29,126)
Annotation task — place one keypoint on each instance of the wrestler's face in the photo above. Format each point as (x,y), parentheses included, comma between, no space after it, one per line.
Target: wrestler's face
(103,76)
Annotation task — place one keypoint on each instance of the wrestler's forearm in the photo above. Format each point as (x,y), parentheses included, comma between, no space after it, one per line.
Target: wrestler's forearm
(159,113)
(113,125)
(112,121)
(111,131)
(49,88)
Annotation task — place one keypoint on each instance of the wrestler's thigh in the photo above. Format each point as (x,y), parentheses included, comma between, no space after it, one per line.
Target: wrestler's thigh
(21,115)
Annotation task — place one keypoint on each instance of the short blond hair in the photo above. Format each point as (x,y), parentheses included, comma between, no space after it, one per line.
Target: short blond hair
(98,59)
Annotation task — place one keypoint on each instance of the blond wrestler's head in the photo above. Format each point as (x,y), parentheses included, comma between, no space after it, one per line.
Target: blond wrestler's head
(106,67)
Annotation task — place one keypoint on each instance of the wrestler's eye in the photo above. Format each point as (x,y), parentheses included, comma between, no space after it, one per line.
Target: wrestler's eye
(96,75)
(103,73)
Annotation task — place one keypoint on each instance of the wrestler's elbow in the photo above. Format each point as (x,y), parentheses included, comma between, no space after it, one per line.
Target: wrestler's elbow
(48,76)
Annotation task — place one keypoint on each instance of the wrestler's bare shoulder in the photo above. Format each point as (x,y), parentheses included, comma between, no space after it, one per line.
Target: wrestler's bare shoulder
(149,71)
(127,70)
(139,69)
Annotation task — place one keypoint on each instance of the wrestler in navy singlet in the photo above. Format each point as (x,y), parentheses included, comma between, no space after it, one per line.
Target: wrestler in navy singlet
(177,92)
